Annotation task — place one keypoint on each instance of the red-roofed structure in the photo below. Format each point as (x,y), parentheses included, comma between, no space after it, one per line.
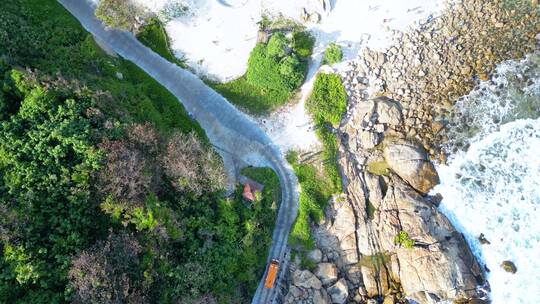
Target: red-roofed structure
(248,194)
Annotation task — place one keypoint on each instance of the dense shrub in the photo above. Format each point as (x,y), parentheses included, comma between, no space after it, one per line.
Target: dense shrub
(47,163)
(333,54)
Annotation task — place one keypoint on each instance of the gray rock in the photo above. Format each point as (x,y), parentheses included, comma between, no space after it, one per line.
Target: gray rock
(354,275)
(306,279)
(326,272)
(315,255)
(411,163)
(339,292)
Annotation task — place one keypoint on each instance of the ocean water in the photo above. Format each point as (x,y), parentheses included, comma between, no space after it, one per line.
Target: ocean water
(491,184)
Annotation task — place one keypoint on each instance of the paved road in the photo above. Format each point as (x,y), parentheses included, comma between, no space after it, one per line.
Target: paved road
(238,138)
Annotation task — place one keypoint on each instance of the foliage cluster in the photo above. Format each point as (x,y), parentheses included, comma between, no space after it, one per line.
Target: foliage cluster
(91,207)
(404,240)
(333,54)
(275,71)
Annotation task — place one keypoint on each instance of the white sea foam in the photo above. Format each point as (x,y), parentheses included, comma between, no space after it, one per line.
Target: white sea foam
(493,187)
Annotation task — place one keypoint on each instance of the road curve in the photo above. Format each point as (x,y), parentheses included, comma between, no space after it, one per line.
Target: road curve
(237,137)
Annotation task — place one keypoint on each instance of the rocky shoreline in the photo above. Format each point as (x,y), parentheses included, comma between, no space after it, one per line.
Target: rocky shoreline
(385,241)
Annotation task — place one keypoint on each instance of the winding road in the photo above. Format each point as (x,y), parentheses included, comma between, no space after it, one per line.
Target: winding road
(238,139)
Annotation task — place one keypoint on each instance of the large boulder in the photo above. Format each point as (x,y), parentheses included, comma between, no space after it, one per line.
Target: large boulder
(388,111)
(327,273)
(339,292)
(440,265)
(412,164)
(306,279)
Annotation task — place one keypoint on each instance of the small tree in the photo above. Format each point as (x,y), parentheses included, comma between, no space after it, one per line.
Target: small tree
(333,54)
(192,167)
(123,174)
(120,14)
(108,272)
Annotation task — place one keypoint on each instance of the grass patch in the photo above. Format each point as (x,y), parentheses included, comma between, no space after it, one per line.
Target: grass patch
(252,98)
(404,240)
(328,101)
(316,190)
(275,71)
(154,103)
(378,168)
(153,35)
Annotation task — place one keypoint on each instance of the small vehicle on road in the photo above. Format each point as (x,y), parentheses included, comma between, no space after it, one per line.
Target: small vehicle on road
(271,275)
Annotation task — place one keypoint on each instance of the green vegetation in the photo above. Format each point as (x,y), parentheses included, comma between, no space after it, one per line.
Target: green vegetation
(378,168)
(109,192)
(404,240)
(326,104)
(316,189)
(153,35)
(275,71)
(333,54)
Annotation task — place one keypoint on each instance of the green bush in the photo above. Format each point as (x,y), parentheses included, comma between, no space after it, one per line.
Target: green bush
(274,72)
(333,54)
(303,43)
